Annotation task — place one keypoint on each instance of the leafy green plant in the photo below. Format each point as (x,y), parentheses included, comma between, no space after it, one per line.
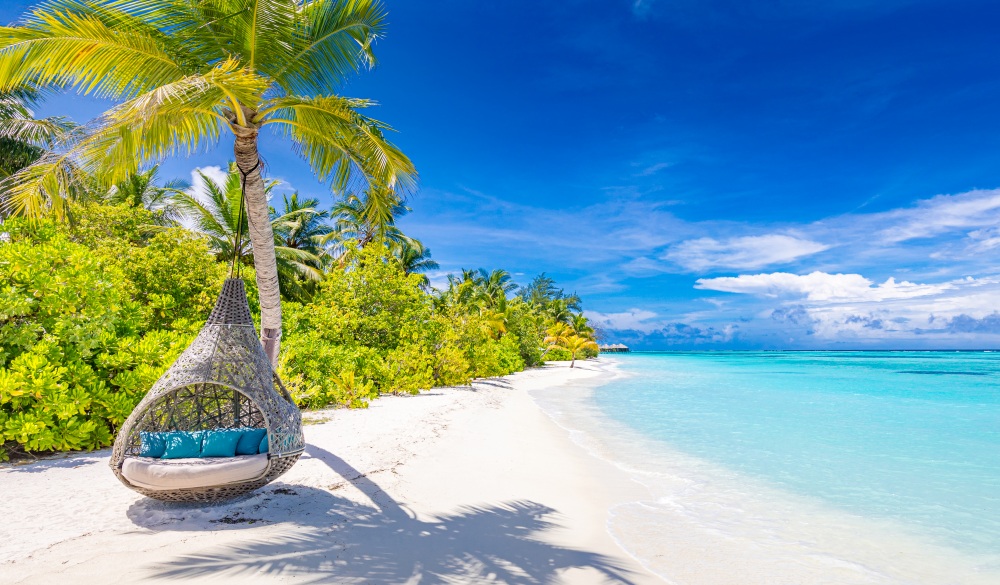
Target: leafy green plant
(83,335)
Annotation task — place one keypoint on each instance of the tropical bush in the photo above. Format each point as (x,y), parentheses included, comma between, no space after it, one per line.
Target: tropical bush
(92,312)
(76,350)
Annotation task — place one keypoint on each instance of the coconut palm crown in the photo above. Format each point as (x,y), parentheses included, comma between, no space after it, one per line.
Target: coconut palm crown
(185,72)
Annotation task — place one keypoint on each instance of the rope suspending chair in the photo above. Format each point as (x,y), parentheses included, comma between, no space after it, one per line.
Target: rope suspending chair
(218,423)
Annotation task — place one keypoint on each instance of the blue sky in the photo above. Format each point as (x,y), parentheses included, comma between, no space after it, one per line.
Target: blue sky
(705,174)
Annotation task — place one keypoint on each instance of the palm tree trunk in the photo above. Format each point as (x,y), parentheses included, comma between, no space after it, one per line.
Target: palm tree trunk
(262,240)
(572,360)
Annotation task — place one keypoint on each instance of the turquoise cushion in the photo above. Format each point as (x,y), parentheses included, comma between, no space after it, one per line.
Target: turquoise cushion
(182,444)
(151,444)
(220,442)
(250,441)
(263,445)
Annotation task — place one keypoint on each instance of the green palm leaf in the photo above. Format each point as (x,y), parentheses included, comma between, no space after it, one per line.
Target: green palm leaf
(90,47)
(338,141)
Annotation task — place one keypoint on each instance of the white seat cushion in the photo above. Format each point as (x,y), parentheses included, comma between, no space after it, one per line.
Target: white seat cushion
(170,474)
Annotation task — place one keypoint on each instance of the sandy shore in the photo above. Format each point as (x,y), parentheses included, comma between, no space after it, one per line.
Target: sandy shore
(452,486)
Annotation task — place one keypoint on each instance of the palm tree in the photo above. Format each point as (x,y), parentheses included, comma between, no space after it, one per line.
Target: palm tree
(365,219)
(300,225)
(217,217)
(559,311)
(558,334)
(496,285)
(24,138)
(140,190)
(575,345)
(581,326)
(185,72)
(464,294)
(562,336)
(414,258)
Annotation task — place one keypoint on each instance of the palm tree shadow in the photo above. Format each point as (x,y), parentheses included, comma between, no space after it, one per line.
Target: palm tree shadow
(346,542)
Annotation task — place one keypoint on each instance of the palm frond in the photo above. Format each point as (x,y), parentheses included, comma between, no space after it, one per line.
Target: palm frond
(332,39)
(90,46)
(339,142)
(44,187)
(18,122)
(176,118)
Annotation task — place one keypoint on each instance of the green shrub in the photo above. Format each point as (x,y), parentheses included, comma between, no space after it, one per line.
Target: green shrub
(82,335)
(364,323)
(529,328)
(558,354)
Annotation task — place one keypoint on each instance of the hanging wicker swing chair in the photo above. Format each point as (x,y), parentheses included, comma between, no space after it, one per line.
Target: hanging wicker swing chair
(223,383)
(218,423)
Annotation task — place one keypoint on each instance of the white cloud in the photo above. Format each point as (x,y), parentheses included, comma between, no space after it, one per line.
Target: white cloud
(848,308)
(643,266)
(984,239)
(942,214)
(638,319)
(215,173)
(198,190)
(742,253)
(820,286)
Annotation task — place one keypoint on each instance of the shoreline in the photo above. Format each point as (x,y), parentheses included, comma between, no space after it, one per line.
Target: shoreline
(474,484)
(705,524)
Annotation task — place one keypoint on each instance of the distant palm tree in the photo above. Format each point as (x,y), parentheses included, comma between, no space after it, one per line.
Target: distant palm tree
(216,216)
(581,326)
(496,285)
(575,345)
(184,73)
(140,190)
(300,224)
(558,334)
(464,293)
(559,311)
(414,258)
(366,218)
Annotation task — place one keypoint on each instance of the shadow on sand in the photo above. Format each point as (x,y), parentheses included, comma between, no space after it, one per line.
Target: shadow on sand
(334,539)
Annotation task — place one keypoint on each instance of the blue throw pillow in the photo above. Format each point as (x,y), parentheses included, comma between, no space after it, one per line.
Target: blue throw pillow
(250,441)
(151,444)
(182,444)
(263,445)
(220,442)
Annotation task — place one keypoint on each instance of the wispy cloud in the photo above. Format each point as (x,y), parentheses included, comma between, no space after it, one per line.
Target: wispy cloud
(653,169)
(742,253)
(636,319)
(820,286)
(942,214)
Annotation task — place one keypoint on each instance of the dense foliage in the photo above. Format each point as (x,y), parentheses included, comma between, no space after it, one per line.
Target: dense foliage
(91,313)
(89,318)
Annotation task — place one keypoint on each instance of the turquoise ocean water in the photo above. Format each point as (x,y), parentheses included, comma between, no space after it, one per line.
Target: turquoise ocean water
(907,437)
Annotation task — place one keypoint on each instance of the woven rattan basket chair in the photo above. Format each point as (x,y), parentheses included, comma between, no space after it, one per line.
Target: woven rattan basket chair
(222,380)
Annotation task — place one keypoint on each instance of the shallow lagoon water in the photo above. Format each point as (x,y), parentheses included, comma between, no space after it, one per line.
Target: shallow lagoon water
(877,466)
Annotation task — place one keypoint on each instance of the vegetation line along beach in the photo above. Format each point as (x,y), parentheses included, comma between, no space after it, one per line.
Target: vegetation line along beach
(110,271)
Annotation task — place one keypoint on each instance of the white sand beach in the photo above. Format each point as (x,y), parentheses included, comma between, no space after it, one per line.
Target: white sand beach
(457,485)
